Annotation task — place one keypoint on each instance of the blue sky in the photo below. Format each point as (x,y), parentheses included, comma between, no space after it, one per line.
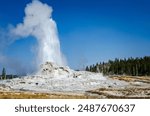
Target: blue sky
(90,31)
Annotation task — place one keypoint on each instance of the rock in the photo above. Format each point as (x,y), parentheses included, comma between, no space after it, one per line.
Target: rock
(53,70)
(3,87)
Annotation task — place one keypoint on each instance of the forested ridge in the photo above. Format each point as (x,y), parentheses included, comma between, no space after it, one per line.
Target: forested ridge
(131,66)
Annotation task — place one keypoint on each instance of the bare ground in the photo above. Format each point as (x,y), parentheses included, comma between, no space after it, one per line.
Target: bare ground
(139,89)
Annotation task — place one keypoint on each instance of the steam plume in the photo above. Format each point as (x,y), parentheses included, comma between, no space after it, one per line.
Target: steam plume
(38,23)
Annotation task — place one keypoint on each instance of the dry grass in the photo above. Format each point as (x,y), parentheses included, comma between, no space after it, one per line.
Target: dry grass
(31,95)
(126,93)
(132,79)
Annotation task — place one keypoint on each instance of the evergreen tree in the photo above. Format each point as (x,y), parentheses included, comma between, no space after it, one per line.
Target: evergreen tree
(11,77)
(3,73)
(87,68)
(130,66)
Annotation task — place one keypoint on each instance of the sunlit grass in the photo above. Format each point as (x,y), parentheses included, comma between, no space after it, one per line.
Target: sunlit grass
(31,95)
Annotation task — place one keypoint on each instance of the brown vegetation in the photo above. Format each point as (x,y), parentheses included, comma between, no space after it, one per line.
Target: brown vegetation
(142,79)
(32,95)
(128,93)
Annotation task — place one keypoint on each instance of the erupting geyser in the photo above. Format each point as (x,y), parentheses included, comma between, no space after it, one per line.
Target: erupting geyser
(38,23)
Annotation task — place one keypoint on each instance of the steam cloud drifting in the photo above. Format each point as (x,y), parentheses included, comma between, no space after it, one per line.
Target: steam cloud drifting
(38,23)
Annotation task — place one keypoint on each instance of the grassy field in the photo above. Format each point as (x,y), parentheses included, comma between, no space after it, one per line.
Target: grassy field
(142,79)
(31,95)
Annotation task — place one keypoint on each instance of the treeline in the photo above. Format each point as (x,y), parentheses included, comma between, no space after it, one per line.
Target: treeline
(130,66)
(4,76)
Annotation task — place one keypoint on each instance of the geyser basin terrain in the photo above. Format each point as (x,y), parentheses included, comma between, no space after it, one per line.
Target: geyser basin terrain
(52,78)
(53,81)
